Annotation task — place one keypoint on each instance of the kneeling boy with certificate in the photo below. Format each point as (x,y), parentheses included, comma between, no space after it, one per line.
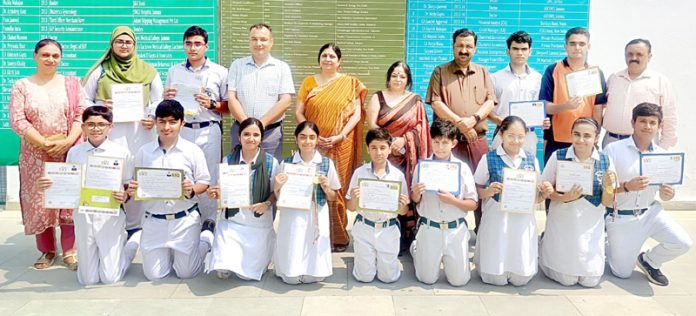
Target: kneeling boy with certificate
(442,230)
(376,234)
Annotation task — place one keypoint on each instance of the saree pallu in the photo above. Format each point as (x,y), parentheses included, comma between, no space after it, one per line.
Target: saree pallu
(330,106)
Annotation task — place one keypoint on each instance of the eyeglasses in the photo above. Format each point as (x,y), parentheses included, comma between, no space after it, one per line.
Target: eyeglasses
(194,44)
(97,125)
(124,43)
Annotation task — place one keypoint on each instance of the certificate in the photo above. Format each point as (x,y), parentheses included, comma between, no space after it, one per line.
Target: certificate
(103,175)
(127,102)
(584,83)
(159,184)
(519,191)
(440,175)
(297,192)
(379,195)
(235,188)
(186,95)
(667,168)
(65,190)
(569,173)
(532,113)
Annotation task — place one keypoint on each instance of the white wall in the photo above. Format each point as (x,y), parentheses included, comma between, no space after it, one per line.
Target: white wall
(669,25)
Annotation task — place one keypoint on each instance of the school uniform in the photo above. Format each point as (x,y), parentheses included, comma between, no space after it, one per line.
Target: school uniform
(572,249)
(640,216)
(376,235)
(443,235)
(243,242)
(303,247)
(104,252)
(171,235)
(507,243)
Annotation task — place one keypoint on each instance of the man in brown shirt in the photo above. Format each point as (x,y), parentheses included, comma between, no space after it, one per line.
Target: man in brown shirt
(461,91)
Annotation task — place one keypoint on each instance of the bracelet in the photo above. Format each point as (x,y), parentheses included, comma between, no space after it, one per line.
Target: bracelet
(625,188)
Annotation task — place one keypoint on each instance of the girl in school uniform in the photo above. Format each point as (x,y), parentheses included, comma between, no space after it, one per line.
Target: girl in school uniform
(572,249)
(244,240)
(303,247)
(506,245)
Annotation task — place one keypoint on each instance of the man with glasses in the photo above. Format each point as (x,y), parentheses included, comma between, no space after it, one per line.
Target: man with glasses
(200,85)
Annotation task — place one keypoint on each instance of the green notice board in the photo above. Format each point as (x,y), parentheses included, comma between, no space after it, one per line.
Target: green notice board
(83,27)
(371,35)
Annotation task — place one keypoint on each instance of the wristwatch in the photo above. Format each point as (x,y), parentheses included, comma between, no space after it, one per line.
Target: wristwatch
(213,104)
(477,117)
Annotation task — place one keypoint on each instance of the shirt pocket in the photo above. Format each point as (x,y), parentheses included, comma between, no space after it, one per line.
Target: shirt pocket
(480,94)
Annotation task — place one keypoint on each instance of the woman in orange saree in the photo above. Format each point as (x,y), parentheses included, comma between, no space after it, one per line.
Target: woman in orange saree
(334,101)
(402,113)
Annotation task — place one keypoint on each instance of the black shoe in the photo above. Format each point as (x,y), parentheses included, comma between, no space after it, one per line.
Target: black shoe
(654,275)
(209,225)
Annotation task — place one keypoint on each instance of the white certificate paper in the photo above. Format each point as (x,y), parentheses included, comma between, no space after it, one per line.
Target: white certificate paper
(103,175)
(440,175)
(159,184)
(584,83)
(235,188)
(569,173)
(297,192)
(127,102)
(667,168)
(532,113)
(186,95)
(67,181)
(519,191)
(379,195)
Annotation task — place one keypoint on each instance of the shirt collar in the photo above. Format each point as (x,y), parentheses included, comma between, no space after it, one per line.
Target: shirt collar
(501,152)
(647,73)
(571,154)
(565,63)
(269,62)
(509,69)
(386,169)
(175,147)
(632,144)
(455,69)
(253,161)
(296,158)
(101,148)
(187,64)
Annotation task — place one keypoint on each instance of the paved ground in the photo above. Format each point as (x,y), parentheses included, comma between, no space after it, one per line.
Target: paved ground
(25,291)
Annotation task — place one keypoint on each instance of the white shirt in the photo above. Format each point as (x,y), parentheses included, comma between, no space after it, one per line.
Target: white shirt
(90,91)
(211,76)
(626,158)
(430,205)
(551,165)
(332,175)
(512,87)
(246,216)
(78,154)
(365,172)
(185,156)
(481,175)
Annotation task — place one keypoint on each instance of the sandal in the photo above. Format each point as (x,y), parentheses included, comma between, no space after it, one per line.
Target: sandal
(45,261)
(70,260)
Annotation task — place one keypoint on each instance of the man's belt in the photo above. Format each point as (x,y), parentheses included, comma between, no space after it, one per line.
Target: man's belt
(198,125)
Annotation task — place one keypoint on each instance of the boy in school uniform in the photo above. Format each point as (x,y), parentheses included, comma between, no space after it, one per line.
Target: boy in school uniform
(443,235)
(171,235)
(639,215)
(376,235)
(104,253)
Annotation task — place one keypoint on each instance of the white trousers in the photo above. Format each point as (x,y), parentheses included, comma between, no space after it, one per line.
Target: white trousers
(627,234)
(376,252)
(570,280)
(102,249)
(160,256)
(435,246)
(505,278)
(209,139)
(302,279)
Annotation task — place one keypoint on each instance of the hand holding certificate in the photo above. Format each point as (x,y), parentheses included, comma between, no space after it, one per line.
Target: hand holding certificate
(235,190)
(103,175)
(159,184)
(440,176)
(186,95)
(569,173)
(519,191)
(65,190)
(297,191)
(662,168)
(532,113)
(379,195)
(127,102)
(584,83)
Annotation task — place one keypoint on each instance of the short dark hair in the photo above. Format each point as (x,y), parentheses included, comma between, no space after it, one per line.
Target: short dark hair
(464,33)
(306,124)
(379,134)
(407,70)
(169,108)
(261,26)
(520,37)
(508,121)
(333,47)
(47,41)
(577,30)
(196,30)
(442,128)
(639,41)
(98,110)
(647,109)
(250,121)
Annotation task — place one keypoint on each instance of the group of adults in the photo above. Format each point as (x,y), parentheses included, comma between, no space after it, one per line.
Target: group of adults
(46,107)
